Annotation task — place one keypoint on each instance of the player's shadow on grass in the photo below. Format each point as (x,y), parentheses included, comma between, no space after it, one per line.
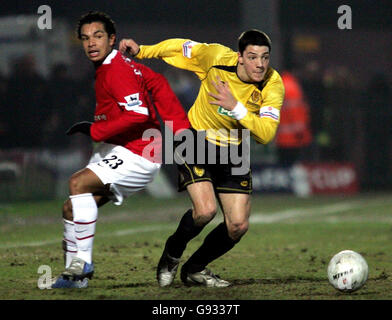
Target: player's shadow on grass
(244,282)
(241,282)
(143,285)
(288,280)
(130,285)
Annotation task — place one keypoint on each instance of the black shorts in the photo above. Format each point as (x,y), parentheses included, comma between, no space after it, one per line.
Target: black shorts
(225,173)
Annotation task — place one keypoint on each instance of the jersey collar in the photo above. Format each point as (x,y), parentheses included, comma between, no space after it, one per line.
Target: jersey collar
(110,57)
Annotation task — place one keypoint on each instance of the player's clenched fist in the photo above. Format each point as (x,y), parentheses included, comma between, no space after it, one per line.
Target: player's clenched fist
(130,46)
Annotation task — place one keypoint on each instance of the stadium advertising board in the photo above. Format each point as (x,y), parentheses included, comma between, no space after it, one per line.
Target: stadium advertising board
(304,179)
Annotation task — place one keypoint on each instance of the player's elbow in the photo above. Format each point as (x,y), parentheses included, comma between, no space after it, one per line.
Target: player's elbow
(267,133)
(264,139)
(96,138)
(160,78)
(97,135)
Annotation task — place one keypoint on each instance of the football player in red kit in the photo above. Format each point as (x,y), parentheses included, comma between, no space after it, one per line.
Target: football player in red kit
(126,92)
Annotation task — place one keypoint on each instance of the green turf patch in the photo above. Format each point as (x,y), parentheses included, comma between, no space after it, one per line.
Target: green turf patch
(284,260)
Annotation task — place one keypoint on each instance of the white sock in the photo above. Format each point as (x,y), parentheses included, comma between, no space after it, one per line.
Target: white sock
(69,242)
(85,212)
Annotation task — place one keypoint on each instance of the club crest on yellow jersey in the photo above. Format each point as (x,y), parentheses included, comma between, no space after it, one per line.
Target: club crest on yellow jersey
(244,183)
(198,171)
(255,96)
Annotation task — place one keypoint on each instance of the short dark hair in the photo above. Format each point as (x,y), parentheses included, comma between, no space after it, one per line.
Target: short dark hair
(96,16)
(253,37)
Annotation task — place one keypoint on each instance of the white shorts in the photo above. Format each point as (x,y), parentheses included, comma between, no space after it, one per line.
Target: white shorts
(125,171)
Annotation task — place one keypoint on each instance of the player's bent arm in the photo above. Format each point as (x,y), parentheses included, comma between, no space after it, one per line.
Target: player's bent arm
(104,130)
(264,125)
(262,129)
(123,87)
(166,102)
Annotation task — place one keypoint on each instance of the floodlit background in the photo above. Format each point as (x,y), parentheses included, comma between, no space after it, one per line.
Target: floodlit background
(46,84)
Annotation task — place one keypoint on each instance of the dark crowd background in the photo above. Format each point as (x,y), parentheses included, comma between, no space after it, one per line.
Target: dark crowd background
(344,74)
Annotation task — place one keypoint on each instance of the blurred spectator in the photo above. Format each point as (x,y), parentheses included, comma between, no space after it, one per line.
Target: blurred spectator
(66,102)
(184,85)
(314,90)
(84,111)
(294,133)
(3,110)
(24,101)
(340,110)
(60,101)
(377,108)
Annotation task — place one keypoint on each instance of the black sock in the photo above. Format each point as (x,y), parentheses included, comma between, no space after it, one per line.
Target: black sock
(215,245)
(185,232)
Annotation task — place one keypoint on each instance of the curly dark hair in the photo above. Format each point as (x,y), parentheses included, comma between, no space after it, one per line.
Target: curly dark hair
(253,37)
(96,16)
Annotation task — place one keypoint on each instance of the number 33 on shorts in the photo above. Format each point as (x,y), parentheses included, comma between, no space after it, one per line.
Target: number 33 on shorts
(112,161)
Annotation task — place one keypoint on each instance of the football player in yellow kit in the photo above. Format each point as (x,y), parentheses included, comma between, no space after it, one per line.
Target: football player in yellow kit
(239,90)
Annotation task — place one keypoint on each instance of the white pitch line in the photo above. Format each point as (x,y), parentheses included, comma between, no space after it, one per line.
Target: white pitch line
(295,213)
(272,217)
(118,233)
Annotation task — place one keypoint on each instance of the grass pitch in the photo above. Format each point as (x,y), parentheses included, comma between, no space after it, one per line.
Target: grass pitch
(284,255)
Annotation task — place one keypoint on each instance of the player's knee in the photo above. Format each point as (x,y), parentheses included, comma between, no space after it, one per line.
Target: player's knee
(76,185)
(237,230)
(204,214)
(67,210)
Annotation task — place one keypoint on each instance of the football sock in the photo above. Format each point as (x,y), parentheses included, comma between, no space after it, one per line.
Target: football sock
(185,232)
(85,212)
(69,242)
(216,243)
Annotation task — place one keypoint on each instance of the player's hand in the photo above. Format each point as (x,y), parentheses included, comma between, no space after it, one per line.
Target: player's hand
(130,46)
(82,127)
(223,98)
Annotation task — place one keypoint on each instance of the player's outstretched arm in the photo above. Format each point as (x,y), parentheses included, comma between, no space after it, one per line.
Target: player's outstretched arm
(130,46)
(263,126)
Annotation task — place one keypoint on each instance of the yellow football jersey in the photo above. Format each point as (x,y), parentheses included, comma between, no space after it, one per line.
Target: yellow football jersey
(262,100)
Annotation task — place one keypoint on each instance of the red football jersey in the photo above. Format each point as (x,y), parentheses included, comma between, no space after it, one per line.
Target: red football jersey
(126,92)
